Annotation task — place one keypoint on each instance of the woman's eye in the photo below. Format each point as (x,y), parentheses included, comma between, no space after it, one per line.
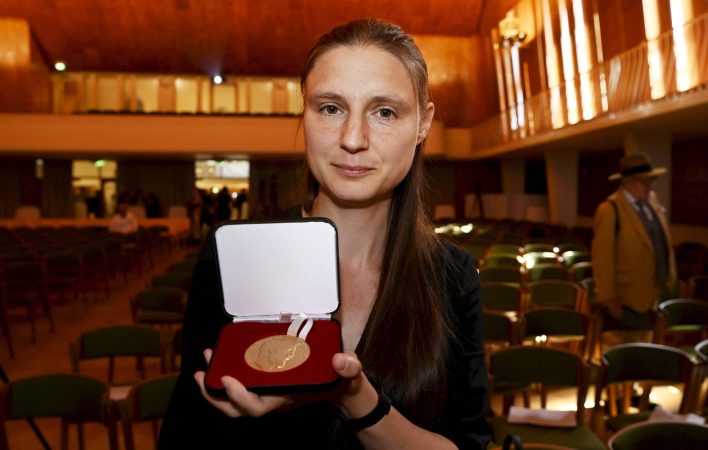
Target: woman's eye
(386,113)
(330,109)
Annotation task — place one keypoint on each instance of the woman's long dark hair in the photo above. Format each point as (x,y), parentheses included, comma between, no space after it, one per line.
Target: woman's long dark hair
(405,343)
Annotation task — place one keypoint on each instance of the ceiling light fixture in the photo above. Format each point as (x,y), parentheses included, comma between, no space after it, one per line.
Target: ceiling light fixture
(217,79)
(59,66)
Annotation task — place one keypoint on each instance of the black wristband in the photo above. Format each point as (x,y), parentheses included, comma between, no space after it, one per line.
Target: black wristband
(380,410)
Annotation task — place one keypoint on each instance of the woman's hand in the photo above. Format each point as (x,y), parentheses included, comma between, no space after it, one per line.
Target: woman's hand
(354,396)
(240,401)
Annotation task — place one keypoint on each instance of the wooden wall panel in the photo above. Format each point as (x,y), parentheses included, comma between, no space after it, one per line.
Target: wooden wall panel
(26,86)
(593,185)
(689,181)
(461,77)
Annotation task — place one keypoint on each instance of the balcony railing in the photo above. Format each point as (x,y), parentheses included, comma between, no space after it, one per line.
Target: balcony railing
(674,63)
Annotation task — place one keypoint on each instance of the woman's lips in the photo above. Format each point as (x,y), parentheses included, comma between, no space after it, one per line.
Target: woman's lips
(352,171)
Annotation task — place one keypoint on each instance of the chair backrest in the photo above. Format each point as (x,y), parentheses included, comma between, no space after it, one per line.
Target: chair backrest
(159,306)
(575,256)
(660,436)
(162,298)
(184,266)
(547,272)
(501,296)
(74,398)
(509,249)
(571,247)
(533,259)
(500,274)
(681,315)
(117,341)
(581,270)
(180,280)
(644,362)
(544,365)
(502,260)
(147,400)
(498,328)
(557,322)
(554,293)
(538,247)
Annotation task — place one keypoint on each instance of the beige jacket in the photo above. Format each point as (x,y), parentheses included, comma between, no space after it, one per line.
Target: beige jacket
(623,259)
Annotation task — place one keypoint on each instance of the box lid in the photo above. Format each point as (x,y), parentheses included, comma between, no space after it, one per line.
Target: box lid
(268,269)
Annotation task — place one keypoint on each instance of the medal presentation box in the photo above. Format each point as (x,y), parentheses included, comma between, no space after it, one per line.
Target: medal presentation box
(280,283)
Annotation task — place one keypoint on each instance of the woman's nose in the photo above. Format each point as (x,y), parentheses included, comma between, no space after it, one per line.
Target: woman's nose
(355,134)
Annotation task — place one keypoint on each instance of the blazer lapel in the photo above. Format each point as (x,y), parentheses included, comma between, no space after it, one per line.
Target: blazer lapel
(633,218)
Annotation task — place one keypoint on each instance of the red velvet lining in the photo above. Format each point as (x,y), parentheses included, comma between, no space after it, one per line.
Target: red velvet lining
(324,340)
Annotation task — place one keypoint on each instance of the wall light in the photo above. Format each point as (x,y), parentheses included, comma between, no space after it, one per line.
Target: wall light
(217,79)
(59,66)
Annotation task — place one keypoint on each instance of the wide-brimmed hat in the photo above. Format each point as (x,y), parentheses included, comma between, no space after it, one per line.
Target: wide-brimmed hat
(637,165)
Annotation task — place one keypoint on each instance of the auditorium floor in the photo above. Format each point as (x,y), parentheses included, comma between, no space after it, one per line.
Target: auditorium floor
(50,354)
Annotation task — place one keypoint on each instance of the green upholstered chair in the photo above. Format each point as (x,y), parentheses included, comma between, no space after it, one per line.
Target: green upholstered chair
(558,326)
(501,296)
(501,274)
(180,280)
(581,270)
(547,272)
(679,317)
(146,401)
(533,259)
(539,247)
(660,436)
(554,293)
(649,365)
(159,306)
(548,367)
(502,260)
(511,249)
(575,256)
(74,399)
(23,285)
(119,341)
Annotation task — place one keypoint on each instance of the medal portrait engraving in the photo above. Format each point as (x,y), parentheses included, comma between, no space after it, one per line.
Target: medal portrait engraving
(277,353)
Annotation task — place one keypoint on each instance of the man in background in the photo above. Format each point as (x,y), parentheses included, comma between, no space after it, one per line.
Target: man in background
(632,253)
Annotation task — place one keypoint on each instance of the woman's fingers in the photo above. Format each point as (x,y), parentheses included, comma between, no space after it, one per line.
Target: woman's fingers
(207,354)
(250,403)
(347,365)
(223,405)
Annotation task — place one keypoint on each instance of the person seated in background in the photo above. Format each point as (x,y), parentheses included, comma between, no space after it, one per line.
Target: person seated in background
(123,221)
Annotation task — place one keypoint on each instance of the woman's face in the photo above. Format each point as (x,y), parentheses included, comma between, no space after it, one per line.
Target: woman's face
(362,123)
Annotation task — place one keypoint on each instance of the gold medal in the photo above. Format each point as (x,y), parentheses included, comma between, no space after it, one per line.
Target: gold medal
(277,353)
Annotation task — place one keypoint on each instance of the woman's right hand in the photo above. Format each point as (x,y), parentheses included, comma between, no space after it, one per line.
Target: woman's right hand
(239,401)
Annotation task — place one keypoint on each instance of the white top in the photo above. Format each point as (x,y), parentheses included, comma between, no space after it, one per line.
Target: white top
(124,225)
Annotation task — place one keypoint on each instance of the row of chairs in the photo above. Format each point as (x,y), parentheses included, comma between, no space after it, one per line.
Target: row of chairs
(41,268)
(523,368)
(80,399)
(584,333)
(517,298)
(152,341)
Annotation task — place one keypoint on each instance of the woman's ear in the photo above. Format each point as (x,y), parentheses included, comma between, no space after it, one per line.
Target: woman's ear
(426,121)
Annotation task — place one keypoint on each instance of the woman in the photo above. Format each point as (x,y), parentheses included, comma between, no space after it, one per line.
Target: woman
(410,306)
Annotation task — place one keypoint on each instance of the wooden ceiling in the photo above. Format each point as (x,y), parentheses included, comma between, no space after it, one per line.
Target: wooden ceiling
(255,37)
